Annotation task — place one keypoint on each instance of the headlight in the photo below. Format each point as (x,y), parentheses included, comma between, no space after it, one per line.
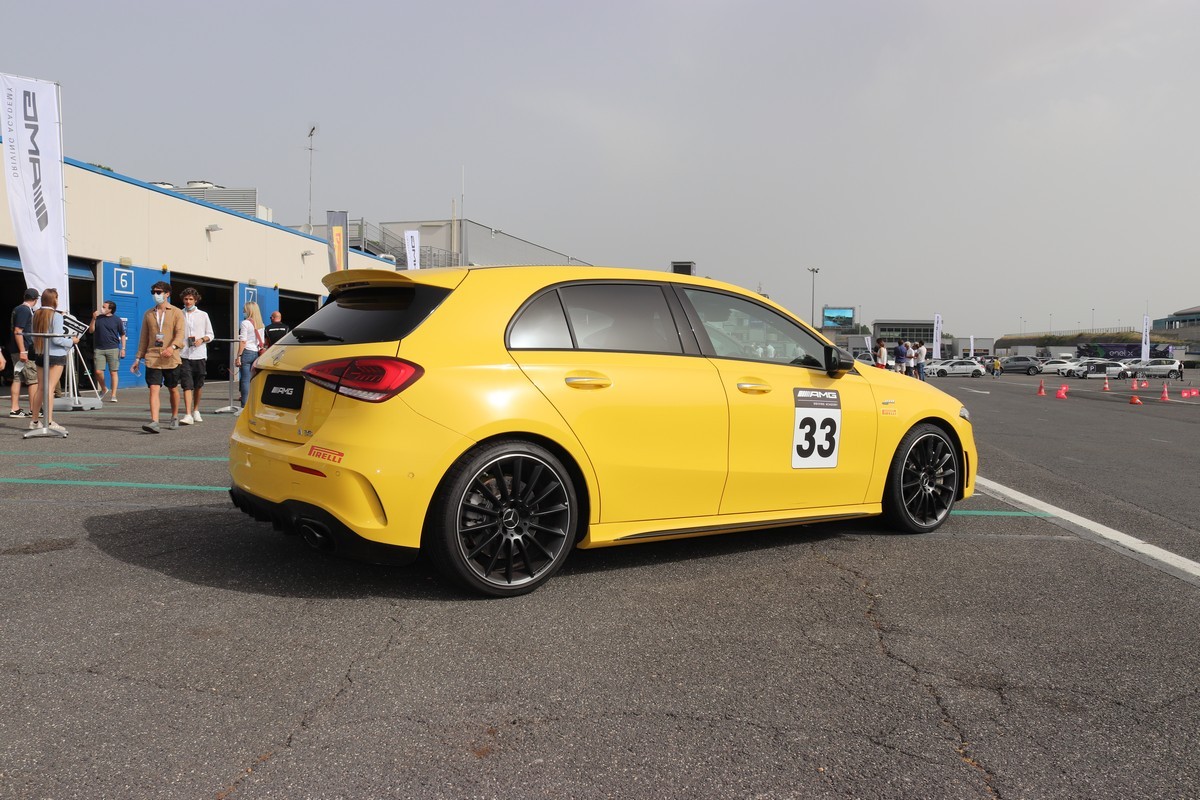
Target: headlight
(962,412)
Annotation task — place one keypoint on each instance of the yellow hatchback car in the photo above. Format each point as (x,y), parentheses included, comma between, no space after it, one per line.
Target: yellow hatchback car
(497,417)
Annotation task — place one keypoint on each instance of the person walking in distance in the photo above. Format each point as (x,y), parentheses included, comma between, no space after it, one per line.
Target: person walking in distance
(880,354)
(24,355)
(109,349)
(159,344)
(47,319)
(276,330)
(198,332)
(900,354)
(250,344)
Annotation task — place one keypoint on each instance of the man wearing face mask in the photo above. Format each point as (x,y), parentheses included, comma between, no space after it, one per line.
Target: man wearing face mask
(198,332)
(160,342)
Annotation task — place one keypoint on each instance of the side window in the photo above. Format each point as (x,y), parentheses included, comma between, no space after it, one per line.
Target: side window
(631,317)
(738,328)
(541,325)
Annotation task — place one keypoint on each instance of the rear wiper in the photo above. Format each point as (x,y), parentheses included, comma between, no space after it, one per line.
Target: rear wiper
(314,335)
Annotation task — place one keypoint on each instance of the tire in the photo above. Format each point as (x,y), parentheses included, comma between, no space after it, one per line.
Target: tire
(923,481)
(1033,371)
(1173,374)
(505,519)
(941,373)
(976,373)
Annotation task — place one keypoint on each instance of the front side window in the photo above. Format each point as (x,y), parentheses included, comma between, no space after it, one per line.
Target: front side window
(738,328)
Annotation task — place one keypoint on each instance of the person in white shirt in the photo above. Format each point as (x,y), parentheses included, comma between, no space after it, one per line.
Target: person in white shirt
(251,341)
(922,351)
(198,332)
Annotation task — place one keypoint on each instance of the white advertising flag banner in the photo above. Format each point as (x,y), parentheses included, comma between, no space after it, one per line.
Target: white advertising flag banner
(937,336)
(33,170)
(972,351)
(1146,337)
(412,246)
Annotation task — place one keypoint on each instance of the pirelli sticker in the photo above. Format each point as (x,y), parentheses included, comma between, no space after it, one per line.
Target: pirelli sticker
(818,428)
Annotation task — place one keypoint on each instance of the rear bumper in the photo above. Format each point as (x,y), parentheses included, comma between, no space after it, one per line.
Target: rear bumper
(320,529)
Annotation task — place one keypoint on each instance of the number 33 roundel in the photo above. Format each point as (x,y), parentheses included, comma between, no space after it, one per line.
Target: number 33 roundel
(818,427)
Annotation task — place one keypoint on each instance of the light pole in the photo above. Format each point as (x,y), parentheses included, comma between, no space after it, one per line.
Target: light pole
(1093,319)
(812,309)
(1022,324)
(1051,323)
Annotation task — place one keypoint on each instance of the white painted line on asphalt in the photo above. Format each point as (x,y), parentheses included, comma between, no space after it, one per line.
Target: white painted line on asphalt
(1122,540)
(976,391)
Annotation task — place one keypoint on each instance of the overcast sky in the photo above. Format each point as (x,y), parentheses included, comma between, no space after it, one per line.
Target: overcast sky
(1026,162)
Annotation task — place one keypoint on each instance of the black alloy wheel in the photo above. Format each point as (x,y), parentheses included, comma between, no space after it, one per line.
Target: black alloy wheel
(923,481)
(1033,371)
(941,373)
(507,519)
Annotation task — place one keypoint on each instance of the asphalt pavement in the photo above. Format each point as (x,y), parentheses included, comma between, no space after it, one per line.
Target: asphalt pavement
(157,643)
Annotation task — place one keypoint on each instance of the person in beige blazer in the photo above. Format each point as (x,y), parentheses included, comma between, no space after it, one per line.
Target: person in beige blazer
(159,344)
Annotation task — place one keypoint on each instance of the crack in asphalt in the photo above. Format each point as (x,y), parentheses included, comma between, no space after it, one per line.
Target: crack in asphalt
(310,714)
(862,585)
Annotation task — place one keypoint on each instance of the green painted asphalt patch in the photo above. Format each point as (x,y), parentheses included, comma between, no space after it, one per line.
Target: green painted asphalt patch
(120,455)
(115,484)
(176,487)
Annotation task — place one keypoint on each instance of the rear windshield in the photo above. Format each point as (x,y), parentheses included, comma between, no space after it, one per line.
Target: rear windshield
(368,314)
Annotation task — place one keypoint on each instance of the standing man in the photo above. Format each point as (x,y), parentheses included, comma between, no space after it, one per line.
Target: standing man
(922,351)
(160,342)
(24,356)
(198,332)
(276,330)
(109,346)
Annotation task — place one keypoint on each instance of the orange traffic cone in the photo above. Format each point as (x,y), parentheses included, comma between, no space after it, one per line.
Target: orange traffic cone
(1106,389)
(1041,392)
(1145,383)
(1061,394)
(1165,396)
(1135,401)
(1133,384)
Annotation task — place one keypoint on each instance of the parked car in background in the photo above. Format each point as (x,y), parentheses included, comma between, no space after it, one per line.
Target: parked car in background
(1058,366)
(1081,367)
(1161,368)
(1027,364)
(959,366)
(1101,369)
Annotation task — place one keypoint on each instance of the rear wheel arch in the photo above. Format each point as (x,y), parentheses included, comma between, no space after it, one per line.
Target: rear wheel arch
(582,486)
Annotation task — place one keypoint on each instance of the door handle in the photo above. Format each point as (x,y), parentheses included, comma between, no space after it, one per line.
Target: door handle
(588,381)
(753,388)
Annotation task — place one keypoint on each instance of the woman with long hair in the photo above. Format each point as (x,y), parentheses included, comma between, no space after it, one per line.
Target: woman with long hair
(250,343)
(47,320)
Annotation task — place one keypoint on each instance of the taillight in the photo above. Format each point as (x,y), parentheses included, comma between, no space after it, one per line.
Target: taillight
(372,379)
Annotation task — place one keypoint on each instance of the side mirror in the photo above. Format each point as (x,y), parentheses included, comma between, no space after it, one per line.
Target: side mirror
(837,361)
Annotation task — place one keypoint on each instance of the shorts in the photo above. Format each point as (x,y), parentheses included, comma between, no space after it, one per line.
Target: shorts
(58,361)
(191,373)
(109,359)
(25,371)
(162,377)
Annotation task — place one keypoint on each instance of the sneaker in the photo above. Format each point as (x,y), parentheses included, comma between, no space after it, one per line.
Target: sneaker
(20,412)
(196,416)
(174,424)
(151,427)
(186,419)
(112,399)
(34,424)
(54,426)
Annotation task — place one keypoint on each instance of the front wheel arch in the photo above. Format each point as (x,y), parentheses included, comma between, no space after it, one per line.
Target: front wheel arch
(924,479)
